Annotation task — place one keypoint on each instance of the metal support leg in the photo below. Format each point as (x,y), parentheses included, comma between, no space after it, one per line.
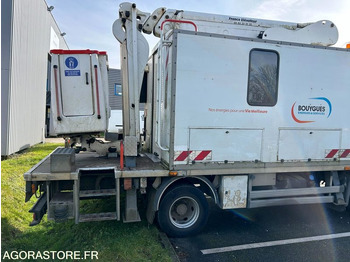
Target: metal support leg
(131,212)
(48,195)
(76,199)
(347,191)
(117,197)
(250,188)
(339,197)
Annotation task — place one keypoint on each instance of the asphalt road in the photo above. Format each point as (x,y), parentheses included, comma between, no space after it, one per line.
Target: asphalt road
(291,233)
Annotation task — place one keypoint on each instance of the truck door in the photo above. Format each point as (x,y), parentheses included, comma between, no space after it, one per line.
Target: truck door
(76,86)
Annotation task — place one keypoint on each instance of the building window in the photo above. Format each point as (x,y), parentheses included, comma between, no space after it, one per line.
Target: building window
(118,89)
(263,77)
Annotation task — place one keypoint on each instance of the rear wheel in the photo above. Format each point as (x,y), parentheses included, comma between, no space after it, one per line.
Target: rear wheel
(183,211)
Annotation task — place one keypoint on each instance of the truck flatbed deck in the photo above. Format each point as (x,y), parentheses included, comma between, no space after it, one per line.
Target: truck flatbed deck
(92,161)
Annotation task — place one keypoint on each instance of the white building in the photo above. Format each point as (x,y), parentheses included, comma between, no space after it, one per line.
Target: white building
(28,32)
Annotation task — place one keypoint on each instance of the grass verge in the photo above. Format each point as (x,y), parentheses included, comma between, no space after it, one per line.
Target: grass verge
(113,240)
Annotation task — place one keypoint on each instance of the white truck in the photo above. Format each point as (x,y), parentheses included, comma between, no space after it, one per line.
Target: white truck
(248,112)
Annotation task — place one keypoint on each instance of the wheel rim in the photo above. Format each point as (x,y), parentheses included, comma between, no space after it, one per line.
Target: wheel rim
(184,212)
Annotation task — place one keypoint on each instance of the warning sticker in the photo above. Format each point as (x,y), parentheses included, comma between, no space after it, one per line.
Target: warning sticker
(71,63)
(72,72)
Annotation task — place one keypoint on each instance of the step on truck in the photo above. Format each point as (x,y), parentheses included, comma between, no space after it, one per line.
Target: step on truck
(248,112)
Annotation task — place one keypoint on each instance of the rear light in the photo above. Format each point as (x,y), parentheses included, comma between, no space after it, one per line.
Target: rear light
(173,173)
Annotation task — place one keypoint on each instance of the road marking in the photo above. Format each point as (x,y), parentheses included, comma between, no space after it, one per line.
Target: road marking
(273,243)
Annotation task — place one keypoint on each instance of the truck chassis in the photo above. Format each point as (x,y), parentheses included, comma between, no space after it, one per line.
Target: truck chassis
(94,176)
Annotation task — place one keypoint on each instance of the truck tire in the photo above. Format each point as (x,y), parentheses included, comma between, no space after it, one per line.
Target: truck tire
(183,211)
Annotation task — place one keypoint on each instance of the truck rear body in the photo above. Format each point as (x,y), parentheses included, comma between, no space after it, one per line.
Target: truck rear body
(212,110)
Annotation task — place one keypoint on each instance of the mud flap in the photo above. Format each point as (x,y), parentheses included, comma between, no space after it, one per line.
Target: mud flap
(39,210)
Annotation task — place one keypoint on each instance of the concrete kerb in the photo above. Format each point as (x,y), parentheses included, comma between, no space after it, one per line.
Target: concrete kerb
(168,246)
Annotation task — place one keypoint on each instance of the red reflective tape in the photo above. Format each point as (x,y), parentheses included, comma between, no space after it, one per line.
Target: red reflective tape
(202,155)
(167,59)
(97,94)
(332,153)
(183,155)
(166,67)
(77,52)
(345,153)
(57,96)
(121,155)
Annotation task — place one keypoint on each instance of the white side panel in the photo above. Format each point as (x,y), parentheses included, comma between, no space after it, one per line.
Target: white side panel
(311,144)
(228,144)
(211,95)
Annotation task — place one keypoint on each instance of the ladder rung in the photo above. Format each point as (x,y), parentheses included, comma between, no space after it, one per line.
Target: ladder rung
(98,217)
(97,193)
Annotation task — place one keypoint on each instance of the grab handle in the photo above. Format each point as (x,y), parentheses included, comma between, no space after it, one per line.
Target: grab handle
(178,21)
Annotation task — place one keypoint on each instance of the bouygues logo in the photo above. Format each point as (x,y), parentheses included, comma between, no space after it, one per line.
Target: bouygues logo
(312,109)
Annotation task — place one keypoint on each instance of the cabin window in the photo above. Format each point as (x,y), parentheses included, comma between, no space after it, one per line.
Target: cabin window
(263,77)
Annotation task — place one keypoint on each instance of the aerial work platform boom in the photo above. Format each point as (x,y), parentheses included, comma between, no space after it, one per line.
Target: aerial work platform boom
(322,33)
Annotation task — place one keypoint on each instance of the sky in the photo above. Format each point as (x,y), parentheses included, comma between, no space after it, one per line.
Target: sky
(88,23)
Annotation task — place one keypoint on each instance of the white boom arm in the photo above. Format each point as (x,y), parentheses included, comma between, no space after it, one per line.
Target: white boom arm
(134,51)
(322,33)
